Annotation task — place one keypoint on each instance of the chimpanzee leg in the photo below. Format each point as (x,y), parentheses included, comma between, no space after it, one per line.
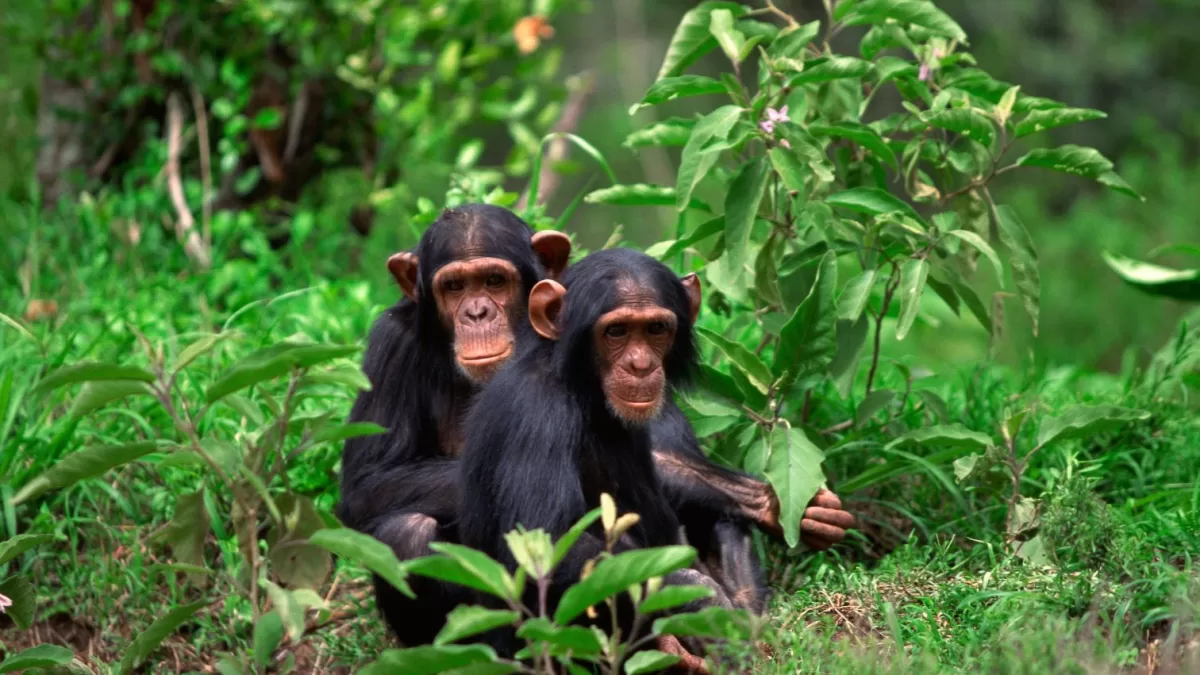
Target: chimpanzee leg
(736,566)
(416,621)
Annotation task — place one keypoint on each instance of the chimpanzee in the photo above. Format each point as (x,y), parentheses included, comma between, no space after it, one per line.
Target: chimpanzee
(569,418)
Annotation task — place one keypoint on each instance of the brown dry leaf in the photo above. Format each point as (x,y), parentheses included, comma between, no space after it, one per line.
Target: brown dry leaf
(41,309)
(530,31)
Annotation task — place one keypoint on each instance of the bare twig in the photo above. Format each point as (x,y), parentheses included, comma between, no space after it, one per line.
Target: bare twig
(572,114)
(889,291)
(185,223)
(205,166)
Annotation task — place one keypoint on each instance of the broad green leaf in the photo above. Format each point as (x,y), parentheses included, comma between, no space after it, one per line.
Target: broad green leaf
(872,201)
(429,659)
(649,661)
(683,86)
(580,640)
(794,469)
(366,551)
(18,545)
(83,464)
(1042,120)
(41,656)
(350,377)
(985,248)
(856,294)
(672,596)
(861,134)
(730,39)
(468,620)
(807,341)
(1084,421)
(790,43)
(268,633)
(871,404)
(741,206)
(967,122)
(851,338)
(296,562)
(291,606)
(148,640)
(467,567)
(721,385)
(616,574)
(493,668)
(741,357)
(705,230)
(833,68)
(1081,161)
(640,194)
(97,394)
(565,542)
(24,600)
(692,38)
(347,431)
(199,348)
(710,622)
(1155,279)
(189,527)
(1034,551)
(272,362)
(1023,258)
(89,372)
(949,435)
(916,12)
(913,274)
(789,168)
(667,133)
(965,466)
(695,162)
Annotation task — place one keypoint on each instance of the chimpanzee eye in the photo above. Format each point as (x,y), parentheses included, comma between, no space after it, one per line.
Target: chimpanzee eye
(495,280)
(656,328)
(453,285)
(616,330)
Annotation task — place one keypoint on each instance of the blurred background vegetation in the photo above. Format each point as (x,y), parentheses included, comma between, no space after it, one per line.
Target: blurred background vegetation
(366,168)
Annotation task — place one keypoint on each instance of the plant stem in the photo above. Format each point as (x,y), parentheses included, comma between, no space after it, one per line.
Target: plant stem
(888,292)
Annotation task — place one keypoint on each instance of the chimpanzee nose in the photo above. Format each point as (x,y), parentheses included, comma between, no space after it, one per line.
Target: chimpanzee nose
(478,312)
(640,363)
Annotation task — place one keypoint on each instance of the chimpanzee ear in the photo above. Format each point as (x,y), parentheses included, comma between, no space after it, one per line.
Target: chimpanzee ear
(691,284)
(403,267)
(554,248)
(545,304)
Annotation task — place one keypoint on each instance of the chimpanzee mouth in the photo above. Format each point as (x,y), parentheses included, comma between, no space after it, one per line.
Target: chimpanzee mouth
(475,361)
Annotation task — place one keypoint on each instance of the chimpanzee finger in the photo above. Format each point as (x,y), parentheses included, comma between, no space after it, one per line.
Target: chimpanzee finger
(688,662)
(836,517)
(819,535)
(826,499)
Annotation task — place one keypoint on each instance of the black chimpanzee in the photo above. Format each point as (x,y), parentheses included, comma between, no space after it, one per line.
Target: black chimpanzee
(569,418)
(464,312)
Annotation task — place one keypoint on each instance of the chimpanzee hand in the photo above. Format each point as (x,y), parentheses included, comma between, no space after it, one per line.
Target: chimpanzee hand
(688,662)
(825,522)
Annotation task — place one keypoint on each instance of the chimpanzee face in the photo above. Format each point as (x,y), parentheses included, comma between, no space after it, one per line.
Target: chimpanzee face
(479,301)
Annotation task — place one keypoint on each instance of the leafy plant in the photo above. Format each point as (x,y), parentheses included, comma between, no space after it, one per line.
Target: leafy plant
(1158,280)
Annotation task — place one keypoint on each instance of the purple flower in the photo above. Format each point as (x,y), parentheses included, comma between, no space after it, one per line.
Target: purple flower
(774,117)
(784,143)
(924,75)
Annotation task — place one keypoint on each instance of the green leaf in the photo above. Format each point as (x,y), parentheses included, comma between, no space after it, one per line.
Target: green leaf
(89,372)
(1112,180)
(272,362)
(872,201)
(347,431)
(667,133)
(741,206)
(1084,421)
(984,248)
(580,640)
(199,348)
(913,274)
(871,404)
(366,551)
(965,466)
(1081,161)
(856,294)
(467,620)
(189,527)
(833,68)
(467,567)
(1023,258)
(41,656)
(24,601)
(486,668)
(790,42)
(695,162)
(148,640)
(861,134)
(916,12)
(965,121)
(672,596)
(83,464)
(564,543)
(789,168)
(1042,120)
(692,38)
(808,340)
(268,633)
(949,435)
(705,230)
(429,659)
(649,661)
(683,86)
(1155,279)
(711,622)
(851,338)
(794,470)
(18,545)
(730,39)
(616,574)
(97,394)
(640,194)
(741,357)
